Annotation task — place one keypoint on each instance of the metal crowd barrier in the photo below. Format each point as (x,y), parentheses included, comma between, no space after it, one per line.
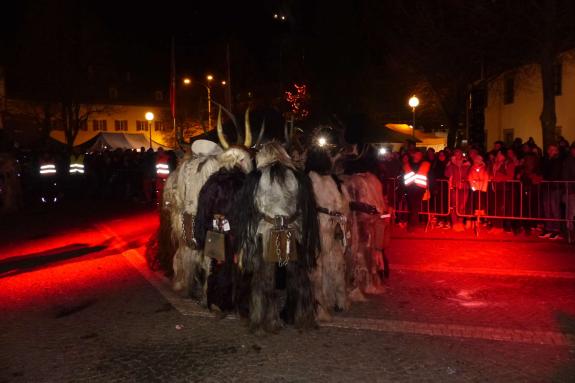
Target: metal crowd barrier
(436,201)
(504,201)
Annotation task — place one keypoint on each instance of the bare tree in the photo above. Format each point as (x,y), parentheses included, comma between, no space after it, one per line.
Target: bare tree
(63,65)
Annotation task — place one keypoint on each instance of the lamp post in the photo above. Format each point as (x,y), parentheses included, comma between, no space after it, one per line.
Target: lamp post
(150,118)
(413,102)
(209,78)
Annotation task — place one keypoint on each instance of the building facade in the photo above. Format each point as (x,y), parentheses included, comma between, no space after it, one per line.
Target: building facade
(515,101)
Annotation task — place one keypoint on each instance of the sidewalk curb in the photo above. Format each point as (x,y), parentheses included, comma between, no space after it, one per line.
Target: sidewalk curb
(484,271)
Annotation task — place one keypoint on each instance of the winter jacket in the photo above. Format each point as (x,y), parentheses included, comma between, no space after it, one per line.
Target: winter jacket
(478,177)
(457,172)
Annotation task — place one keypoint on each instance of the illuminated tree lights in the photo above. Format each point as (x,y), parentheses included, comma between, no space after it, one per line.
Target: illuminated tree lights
(298,101)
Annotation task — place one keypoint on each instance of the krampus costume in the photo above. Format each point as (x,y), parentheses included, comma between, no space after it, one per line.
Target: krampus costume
(162,245)
(279,230)
(369,224)
(333,208)
(192,175)
(216,228)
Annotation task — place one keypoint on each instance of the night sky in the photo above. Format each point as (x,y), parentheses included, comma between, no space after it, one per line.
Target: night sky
(367,56)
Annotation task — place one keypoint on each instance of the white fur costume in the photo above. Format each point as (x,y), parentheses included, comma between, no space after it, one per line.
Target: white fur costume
(192,175)
(365,258)
(329,275)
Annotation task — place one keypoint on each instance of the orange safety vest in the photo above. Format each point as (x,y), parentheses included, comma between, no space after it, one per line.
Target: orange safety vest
(418,178)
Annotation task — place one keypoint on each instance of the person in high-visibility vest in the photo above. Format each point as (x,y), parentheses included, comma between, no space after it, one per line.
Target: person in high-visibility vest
(48,179)
(415,180)
(76,164)
(162,173)
(76,174)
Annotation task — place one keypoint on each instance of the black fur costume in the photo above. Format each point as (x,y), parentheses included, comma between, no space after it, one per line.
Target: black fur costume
(268,280)
(218,197)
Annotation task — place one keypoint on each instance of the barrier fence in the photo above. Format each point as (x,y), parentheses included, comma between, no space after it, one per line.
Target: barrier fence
(501,203)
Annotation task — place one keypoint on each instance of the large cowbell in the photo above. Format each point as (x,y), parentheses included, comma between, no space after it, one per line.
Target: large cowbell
(215,246)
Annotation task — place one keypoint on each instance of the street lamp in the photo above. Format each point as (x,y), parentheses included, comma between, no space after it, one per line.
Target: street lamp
(150,118)
(413,102)
(209,79)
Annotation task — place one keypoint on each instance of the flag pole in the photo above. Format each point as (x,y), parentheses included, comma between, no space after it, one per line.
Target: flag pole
(173,85)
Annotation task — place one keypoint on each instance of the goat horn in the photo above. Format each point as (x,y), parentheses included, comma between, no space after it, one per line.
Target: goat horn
(261,135)
(221,135)
(231,116)
(248,140)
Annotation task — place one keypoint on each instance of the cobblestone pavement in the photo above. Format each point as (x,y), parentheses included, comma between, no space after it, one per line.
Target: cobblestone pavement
(100,316)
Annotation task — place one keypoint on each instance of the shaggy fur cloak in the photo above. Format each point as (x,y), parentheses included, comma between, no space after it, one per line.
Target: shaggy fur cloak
(218,197)
(277,188)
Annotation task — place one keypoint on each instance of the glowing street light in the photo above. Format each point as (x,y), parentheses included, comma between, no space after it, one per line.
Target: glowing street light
(209,77)
(187,81)
(224,83)
(413,102)
(150,117)
(322,141)
(382,151)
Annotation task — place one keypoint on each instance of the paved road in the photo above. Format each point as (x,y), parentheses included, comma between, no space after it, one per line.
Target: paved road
(79,305)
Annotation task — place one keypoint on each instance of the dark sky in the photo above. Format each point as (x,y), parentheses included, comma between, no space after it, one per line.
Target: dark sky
(139,34)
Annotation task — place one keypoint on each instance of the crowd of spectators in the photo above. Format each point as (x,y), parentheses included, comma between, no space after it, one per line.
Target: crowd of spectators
(516,181)
(121,175)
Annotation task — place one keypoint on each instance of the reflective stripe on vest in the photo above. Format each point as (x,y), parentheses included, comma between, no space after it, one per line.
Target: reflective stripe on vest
(162,169)
(48,169)
(76,168)
(420,180)
(408,178)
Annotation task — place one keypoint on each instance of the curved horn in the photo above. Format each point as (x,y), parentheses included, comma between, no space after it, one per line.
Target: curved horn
(261,135)
(248,140)
(232,117)
(221,135)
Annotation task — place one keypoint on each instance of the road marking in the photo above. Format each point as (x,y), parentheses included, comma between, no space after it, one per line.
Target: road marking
(187,307)
(485,271)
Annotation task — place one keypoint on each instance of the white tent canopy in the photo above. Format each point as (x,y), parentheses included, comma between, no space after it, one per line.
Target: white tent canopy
(121,141)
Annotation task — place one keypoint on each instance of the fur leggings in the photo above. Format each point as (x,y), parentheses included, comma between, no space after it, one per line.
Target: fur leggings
(266,297)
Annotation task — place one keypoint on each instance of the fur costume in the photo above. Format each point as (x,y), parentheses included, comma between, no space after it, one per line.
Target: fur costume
(162,245)
(333,208)
(278,189)
(217,197)
(187,263)
(366,260)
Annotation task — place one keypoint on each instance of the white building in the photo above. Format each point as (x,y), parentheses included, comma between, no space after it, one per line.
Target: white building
(515,101)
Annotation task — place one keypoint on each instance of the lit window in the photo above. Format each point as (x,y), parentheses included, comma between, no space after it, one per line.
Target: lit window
(99,125)
(158,125)
(141,125)
(121,125)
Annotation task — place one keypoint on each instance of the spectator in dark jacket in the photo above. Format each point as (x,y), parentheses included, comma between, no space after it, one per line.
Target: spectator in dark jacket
(569,175)
(552,170)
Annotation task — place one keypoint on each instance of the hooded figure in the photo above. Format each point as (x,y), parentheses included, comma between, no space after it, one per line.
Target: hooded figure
(279,232)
